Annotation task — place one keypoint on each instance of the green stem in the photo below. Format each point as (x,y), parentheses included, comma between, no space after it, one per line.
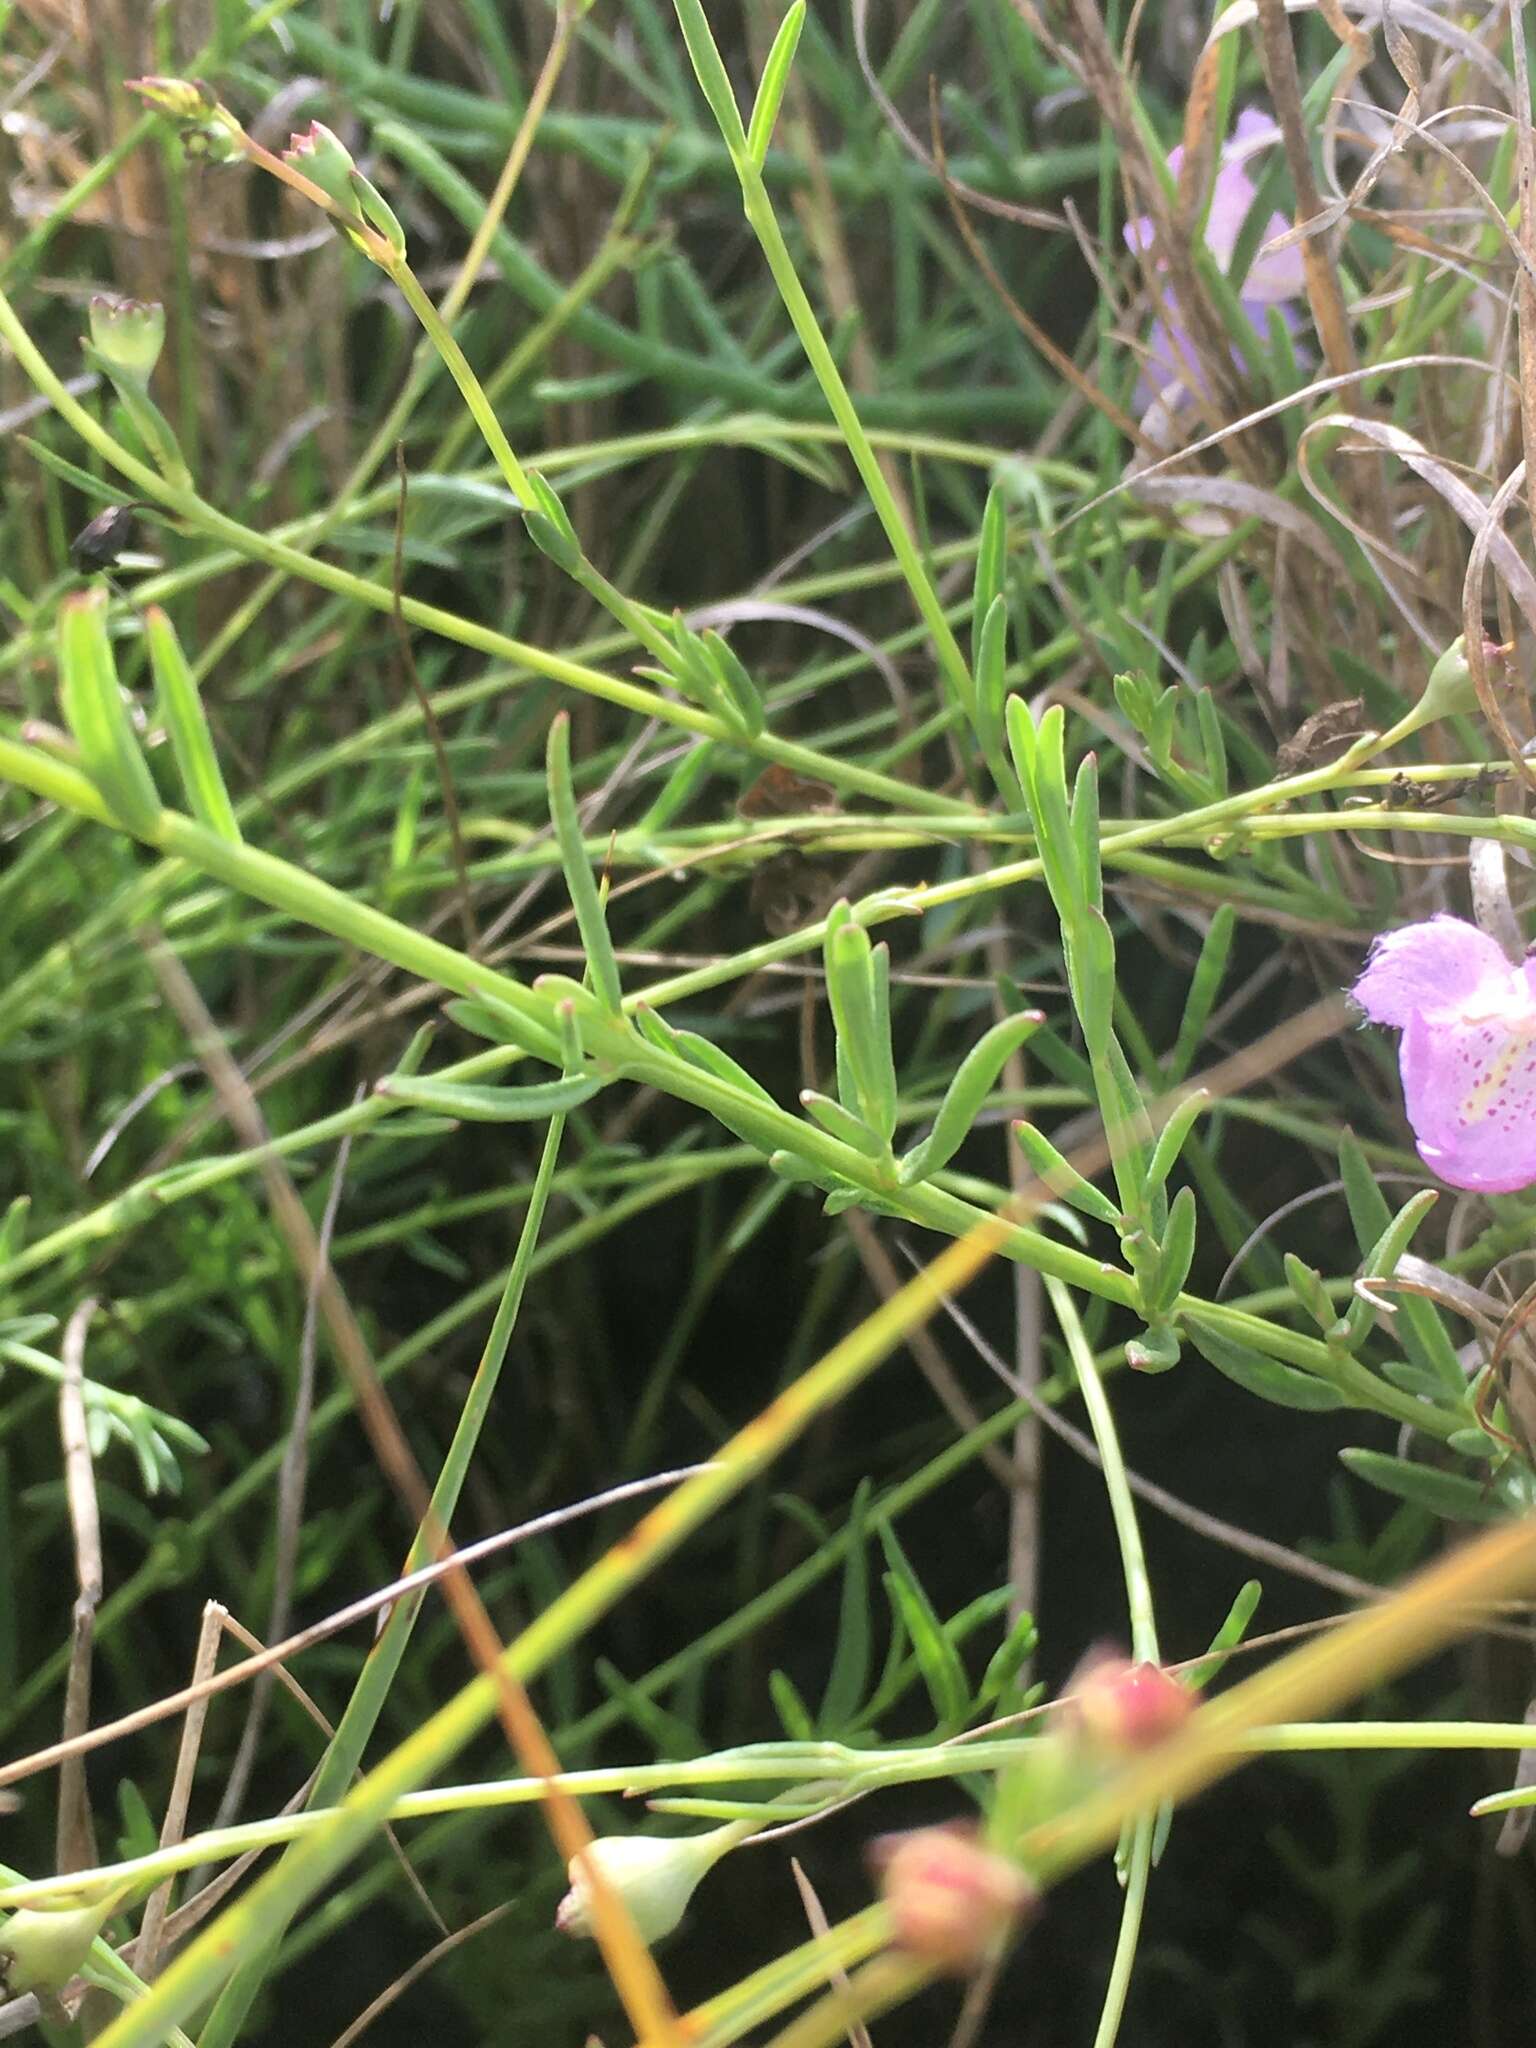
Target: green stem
(304,896)
(470,388)
(765,225)
(1136,1857)
(852,1772)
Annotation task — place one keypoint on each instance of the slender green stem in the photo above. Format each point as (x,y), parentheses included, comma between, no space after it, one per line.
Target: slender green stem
(470,388)
(1136,1857)
(1122,1502)
(764,223)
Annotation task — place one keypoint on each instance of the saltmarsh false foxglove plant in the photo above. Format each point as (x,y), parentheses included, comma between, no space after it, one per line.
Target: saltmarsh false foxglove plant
(1468,1054)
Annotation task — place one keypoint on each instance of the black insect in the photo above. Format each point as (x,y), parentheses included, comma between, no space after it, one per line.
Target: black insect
(110,534)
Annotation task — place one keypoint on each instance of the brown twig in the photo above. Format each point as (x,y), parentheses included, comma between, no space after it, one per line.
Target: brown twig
(146,1955)
(1525,288)
(417,1971)
(837,1976)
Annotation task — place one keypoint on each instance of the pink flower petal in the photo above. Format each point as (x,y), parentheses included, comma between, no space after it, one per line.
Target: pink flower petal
(1470,1084)
(1275,276)
(1234,194)
(1429,966)
(1251,132)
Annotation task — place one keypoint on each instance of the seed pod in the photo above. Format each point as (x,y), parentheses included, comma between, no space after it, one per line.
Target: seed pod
(42,1948)
(128,335)
(655,1877)
(110,534)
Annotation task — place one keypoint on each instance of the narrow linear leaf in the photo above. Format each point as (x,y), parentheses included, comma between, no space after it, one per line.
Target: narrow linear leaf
(181,711)
(1422,1332)
(1286,1385)
(991,566)
(864,1054)
(937,1658)
(579,879)
(1170,1139)
(967,1092)
(1174,1257)
(1062,1178)
(1204,987)
(703,1053)
(1006,1663)
(849,1675)
(1085,831)
(1381,1262)
(1306,1283)
(794,1716)
(1226,1638)
(843,1123)
(1451,1495)
(472,1104)
(709,69)
(770,91)
(96,715)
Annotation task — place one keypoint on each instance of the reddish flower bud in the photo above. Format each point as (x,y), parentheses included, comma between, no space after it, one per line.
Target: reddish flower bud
(325,161)
(1119,1707)
(952,1902)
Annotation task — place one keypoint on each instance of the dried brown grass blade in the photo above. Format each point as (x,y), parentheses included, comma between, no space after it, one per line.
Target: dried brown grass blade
(152,1927)
(416,1972)
(1243,501)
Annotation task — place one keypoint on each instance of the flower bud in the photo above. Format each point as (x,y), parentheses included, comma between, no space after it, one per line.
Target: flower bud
(1155,1350)
(42,1949)
(1449,689)
(1118,1708)
(951,1900)
(655,1876)
(325,160)
(128,335)
(184,99)
(207,128)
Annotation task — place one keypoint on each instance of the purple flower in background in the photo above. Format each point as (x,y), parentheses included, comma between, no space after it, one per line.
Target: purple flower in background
(1274,278)
(1468,1055)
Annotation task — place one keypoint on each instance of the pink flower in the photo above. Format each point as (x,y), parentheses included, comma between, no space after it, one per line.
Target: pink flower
(1468,1055)
(1274,278)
